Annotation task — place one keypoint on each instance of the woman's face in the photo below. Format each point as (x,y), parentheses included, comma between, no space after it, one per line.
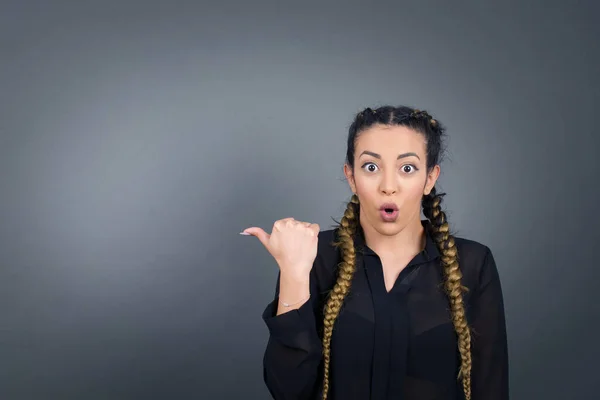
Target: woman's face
(390,172)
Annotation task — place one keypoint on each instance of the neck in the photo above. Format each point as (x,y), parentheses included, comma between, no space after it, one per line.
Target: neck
(409,241)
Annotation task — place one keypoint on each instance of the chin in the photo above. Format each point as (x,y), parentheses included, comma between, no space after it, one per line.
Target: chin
(390,228)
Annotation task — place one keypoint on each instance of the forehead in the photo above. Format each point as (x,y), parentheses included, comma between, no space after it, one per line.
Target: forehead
(391,140)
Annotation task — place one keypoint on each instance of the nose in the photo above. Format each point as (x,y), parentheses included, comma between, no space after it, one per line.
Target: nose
(388,184)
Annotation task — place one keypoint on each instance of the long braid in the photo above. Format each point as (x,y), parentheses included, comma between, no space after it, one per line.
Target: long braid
(452,284)
(346,231)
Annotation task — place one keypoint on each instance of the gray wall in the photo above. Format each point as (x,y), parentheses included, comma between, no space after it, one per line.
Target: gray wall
(138,138)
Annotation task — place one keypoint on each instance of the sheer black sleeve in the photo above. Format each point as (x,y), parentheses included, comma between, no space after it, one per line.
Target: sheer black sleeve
(489,374)
(293,354)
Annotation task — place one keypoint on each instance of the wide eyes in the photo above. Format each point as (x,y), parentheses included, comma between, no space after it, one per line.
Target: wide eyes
(370,167)
(406,168)
(409,168)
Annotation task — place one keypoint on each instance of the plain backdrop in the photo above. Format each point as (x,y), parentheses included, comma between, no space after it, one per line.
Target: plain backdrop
(138,138)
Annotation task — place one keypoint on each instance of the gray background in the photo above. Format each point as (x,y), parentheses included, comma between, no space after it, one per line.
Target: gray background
(138,138)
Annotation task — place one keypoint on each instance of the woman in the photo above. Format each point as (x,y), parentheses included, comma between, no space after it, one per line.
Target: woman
(386,305)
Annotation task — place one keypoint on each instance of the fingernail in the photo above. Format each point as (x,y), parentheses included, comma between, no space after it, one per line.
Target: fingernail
(244,233)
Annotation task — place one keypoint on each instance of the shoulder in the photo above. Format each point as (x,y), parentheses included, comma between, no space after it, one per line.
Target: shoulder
(327,259)
(476,261)
(471,252)
(327,253)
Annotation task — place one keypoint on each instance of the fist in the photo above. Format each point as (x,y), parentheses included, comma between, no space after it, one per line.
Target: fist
(293,245)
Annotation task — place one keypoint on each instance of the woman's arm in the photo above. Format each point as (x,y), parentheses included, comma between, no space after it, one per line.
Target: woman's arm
(489,373)
(293,354)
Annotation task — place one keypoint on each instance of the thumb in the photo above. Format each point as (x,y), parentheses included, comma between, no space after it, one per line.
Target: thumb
(260,234)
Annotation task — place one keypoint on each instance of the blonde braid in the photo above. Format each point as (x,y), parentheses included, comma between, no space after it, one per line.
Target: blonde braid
(452,284)
(346,231)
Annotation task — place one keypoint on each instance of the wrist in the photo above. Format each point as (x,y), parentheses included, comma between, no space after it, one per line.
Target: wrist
(293,287)
(294,279)
(294,291)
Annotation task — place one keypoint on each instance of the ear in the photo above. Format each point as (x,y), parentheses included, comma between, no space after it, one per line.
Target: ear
(350,177)
(432,178)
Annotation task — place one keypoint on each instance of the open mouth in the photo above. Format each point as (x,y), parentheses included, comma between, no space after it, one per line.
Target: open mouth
(389,212)
(389,207)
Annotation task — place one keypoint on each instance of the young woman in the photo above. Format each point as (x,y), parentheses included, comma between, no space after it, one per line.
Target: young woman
(386,305)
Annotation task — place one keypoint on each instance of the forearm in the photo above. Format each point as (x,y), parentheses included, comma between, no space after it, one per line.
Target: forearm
(291,373)
(294,352)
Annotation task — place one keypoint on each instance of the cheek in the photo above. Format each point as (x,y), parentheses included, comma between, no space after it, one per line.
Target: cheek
(367,191)
(412,192)
(365,186)
(416,191)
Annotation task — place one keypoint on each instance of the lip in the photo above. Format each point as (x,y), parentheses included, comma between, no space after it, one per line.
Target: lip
(388,217)
(391,206)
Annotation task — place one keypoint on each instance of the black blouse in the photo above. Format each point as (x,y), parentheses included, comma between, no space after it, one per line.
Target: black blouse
(399,344)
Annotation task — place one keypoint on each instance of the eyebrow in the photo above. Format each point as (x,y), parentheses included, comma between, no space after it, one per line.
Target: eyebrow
(403,155)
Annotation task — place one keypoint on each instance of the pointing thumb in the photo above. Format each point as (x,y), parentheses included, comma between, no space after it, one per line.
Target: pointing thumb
(260,234)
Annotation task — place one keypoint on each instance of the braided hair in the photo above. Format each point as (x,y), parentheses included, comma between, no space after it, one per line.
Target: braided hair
(421,122)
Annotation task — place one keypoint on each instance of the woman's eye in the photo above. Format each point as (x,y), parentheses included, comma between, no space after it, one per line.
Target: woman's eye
(370,167)
(409,169)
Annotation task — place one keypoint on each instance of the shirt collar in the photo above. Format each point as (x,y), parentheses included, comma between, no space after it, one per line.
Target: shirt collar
(430,252)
